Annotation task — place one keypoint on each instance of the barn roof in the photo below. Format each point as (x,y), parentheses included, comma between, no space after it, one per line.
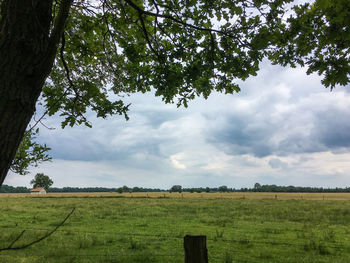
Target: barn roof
(37,189)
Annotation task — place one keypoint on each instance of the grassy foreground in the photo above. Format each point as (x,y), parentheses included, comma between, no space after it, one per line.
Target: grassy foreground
(141,229)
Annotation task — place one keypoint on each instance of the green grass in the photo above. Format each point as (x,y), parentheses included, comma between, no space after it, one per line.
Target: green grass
(152,229)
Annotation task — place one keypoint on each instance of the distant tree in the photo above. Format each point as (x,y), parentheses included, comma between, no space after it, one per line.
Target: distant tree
(191,190)
(176,188)
(223,188)
(120,190)
(198,190)
(41,180)
(207,189)
(257,187)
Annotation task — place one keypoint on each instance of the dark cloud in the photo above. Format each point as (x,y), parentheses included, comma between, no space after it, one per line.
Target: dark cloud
(277,163)
(237,137)
(298,143)
(86,144)
(90,150)
(332,128)
(304,127)
(156,119)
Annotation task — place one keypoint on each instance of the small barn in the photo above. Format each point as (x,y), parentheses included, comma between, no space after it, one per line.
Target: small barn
(38,191)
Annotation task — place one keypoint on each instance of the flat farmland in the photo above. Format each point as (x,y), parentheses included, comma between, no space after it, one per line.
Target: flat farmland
(141,227)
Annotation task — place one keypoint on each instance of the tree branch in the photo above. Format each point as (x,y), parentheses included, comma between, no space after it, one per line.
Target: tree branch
(15,240)
(10,247)
(40,120)
(60,22)
(145,32)
(70,82)
(179,21)
(140,10)
(56,33)
(111,34)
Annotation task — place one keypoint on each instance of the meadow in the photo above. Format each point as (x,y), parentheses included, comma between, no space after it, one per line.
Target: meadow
(140,227)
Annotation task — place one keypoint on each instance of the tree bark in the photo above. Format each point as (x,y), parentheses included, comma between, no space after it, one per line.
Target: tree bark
(28,46)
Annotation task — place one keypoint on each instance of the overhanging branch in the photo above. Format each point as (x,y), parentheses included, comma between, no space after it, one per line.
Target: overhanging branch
(10,247)
(60,22)
(157,15)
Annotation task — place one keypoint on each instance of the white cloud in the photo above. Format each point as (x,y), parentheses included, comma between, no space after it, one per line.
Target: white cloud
(176,161)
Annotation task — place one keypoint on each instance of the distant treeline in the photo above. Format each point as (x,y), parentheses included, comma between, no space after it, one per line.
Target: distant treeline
(294,189)
(177,188)
(20,189)
(10,189)
(101,189)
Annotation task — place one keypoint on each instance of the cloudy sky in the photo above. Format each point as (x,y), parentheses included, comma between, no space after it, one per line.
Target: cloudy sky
(283,128)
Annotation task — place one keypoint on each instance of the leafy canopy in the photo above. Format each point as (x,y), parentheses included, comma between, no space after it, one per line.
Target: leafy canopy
(185,49)
(178,49)
(317,36)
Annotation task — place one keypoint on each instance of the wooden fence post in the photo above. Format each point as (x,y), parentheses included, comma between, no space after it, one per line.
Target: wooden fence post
(195,249)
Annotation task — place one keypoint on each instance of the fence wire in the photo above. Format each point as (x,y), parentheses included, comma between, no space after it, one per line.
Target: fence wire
(237,257)
(162,237)
(100,255)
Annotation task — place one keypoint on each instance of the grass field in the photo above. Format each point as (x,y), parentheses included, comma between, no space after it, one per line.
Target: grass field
(239,227)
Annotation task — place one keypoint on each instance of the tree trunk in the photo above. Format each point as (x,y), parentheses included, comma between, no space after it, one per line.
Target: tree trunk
(28,46)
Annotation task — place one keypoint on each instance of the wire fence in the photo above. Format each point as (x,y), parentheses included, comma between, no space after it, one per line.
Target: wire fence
(162,237)
(237,229)
(100,255)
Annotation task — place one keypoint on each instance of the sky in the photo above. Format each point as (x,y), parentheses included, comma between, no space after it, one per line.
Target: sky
(283,128)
